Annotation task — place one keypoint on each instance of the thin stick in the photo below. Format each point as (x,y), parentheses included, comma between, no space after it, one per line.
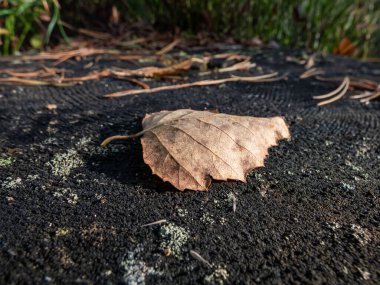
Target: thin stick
(338,96)
(198,257)
(154,223)
(186,85)
(332,93)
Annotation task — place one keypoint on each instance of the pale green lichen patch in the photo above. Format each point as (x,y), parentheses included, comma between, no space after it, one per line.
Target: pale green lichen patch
(182,212)
(62,232)
(7,161)
(174,238)
(91,146)
(66,194)
(11,183)
(217,277)
(362,235)
(353,166)
(135,270)
(364,148)
(347,186)
(259,177)
(63,163)
(207,219)
(365,274)
(32,177)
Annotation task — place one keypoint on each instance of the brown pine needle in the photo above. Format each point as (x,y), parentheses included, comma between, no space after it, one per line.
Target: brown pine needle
(192,84)
(338,95)
(44,72)
(135,81)
(155,72)
(311,72)
(373,96)
(362,95)
(332,93)
(22,81)
(359,83)
(133,57)
(168,47)
(244,65)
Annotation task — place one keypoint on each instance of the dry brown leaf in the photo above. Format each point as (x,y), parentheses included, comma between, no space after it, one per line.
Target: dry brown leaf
(190,148)
(51,106)
(345,47)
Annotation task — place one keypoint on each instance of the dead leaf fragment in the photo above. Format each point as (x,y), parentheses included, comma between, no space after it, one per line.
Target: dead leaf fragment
(190,148)
(51,106)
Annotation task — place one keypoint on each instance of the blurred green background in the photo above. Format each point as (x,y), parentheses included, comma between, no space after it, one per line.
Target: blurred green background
(310,24)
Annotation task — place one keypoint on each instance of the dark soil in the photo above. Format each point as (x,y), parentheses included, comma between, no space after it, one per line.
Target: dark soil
(71,212)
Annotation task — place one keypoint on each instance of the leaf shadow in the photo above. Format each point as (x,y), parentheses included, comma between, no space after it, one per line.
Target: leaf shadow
(123,161)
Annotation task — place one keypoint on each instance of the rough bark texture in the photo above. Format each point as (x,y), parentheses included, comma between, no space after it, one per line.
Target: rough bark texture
(310,216)
(188,148)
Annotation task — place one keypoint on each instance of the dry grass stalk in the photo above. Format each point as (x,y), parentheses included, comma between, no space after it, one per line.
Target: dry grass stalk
(260,78)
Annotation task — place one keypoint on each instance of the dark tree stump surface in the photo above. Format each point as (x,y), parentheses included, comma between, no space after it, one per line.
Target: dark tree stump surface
(71,212)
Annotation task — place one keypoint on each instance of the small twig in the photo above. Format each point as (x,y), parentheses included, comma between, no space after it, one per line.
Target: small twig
(260,78)
(198,257)
(154,223)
